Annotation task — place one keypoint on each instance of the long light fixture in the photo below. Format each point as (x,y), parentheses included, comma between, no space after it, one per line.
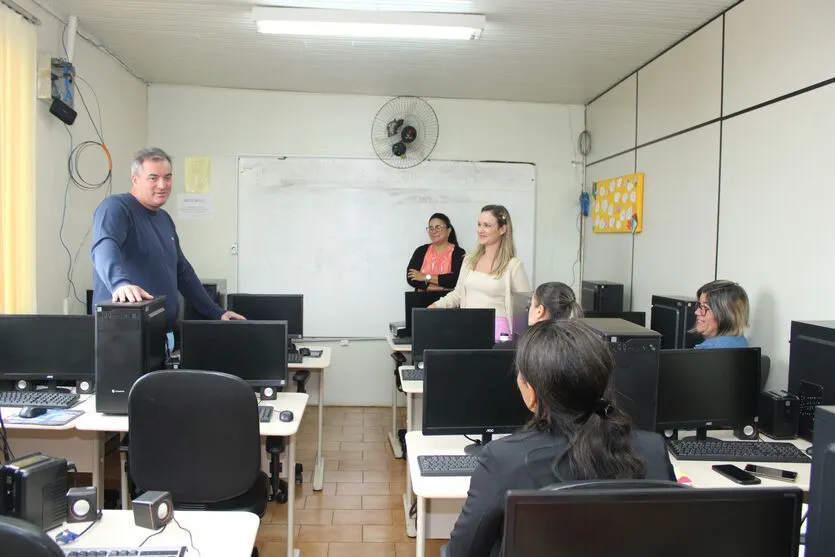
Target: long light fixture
(357,23)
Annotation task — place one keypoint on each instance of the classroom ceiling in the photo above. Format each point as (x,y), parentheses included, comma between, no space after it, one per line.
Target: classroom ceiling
(561,51)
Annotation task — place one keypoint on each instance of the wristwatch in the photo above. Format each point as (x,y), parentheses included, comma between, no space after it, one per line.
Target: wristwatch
(427,279)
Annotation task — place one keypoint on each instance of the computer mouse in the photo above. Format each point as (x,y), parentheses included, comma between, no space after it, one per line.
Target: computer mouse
(305,352)
(32,412)
(286,416)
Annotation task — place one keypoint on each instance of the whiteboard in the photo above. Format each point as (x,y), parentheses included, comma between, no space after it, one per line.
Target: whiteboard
(341,231)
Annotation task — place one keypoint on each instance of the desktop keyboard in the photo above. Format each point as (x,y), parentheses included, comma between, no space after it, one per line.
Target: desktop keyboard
(447,465)
(265,414)
(736,451)
(413,374)
(112,551)
(294,357)
(42,399)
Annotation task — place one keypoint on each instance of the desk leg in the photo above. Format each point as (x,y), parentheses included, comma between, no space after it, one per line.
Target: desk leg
(319,466)
(123,474)
(98,466)
(408,497)
(393,439)
(291,494)
(420,542)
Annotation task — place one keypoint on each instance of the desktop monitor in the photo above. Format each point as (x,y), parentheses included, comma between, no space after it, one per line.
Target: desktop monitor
(255,351)
(637,317)
(451,328)
(635,522)
(707,389)
(820,534)
(271,307)
(521,305)
(472,392)
(47,347)
(419,300)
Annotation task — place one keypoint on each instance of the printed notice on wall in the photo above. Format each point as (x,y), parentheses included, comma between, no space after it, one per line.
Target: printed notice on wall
(195,206)
(198,172)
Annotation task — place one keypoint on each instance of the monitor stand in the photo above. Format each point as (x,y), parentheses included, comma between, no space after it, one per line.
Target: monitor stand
(476,448)
(701,435)
(52,386)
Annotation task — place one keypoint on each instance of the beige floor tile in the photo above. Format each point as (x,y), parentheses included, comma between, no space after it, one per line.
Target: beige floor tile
(362,489)
(368,516)
(338,533)
(334,501)
(390,476)
(376,533)
(275,532)
(362,550)
(365,465)
(305,516)
(382,501)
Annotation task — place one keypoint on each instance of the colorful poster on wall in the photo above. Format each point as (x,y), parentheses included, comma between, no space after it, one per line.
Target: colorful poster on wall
(618,204)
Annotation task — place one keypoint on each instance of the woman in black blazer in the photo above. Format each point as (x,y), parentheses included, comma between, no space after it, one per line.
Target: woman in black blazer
(435,266)
(578,432)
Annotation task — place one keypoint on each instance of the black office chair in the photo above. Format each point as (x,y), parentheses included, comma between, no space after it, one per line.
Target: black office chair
(18,537)
(399,360)
(196,435)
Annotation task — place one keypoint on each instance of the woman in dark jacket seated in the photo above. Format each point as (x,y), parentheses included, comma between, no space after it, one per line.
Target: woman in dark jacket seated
(578,432)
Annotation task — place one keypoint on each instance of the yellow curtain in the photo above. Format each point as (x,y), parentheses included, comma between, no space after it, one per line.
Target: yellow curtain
(18,71)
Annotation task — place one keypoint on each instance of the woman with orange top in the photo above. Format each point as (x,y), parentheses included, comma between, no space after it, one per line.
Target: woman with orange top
(435,266)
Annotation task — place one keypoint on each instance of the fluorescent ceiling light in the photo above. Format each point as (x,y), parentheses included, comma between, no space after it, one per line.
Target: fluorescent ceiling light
(356,23)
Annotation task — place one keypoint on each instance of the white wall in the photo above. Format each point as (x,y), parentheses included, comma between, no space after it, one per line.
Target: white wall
(123,100)
(223,123)
(760,215)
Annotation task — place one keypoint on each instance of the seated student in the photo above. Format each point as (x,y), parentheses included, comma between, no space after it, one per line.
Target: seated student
(550,300)
(722,315)
(564,373)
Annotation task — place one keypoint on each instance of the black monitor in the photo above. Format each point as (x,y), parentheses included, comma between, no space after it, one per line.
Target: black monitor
(820,535)
(417,299)
(636,317)
(451,328)
(707,389)
(52,348)
(271,307)
(521,305)
(255,351)
(472,392)
(680,522)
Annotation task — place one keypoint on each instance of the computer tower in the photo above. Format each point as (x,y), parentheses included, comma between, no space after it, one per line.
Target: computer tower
(820,535)
(90,304)
(635,349)
(216,289)
(130,342)
(673,317)
(34,488)
(602,295)
(812,369)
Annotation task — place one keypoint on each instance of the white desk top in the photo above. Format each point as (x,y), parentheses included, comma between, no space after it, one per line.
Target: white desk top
(321,362)
(295,402)
(86,403)
(396,347)
(410,387)
(215,533)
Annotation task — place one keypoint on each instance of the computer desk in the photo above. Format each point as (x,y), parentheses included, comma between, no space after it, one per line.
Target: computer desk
(412,389)
(456,487)
(319,364)
(394,441)
(102,423)
(215,534)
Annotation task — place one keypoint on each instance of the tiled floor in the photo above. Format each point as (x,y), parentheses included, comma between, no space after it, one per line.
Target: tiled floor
(359,512)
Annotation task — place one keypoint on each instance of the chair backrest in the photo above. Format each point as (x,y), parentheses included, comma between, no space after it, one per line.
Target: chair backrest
(18,537)
(194,434)
(613,484)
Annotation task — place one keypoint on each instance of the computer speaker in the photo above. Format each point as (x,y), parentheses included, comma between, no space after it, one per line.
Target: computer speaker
(153,509)
(268,393)
(23,385)
(670,434)
(82,504)
(85,386)
(747,431)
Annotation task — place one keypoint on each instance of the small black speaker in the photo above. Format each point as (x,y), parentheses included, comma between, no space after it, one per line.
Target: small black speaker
(82,504)
(779,415)
(747,431)
(153,509)
(62,111)
(85,386)
(268,393)
(670,434)
(23,385)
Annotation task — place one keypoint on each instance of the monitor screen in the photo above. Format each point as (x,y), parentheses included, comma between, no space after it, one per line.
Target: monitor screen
(452,328)
(255,351)
(521,304)
(636,317)
(420,300)
(707,388)
(680,522)
(271,307)
(47,347)
(471,392)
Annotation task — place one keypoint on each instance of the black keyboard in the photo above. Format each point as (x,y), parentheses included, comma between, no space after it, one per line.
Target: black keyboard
(294,357)
(42,399)
(265,414)
(447,465)
(112,551)
(736,451)
(413,374)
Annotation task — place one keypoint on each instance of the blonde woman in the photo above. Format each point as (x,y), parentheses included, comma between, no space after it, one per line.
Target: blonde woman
(492,273)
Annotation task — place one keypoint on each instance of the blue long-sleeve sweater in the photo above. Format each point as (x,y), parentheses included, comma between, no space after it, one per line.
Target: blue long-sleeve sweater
(134,245)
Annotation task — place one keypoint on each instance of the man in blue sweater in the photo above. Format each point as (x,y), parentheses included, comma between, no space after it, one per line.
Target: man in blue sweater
(136,251)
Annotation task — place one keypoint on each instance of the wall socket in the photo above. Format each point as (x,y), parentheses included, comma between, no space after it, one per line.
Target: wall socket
(343,342)
(66,306)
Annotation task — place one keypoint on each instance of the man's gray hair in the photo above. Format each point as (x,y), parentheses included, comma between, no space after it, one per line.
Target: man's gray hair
(148,154)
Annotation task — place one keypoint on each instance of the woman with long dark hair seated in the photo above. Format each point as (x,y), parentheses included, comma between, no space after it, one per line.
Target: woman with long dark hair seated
(578,432)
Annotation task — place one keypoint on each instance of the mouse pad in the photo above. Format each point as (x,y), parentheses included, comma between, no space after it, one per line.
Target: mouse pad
(53,417)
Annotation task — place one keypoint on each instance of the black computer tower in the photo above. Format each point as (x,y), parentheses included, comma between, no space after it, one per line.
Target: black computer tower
(90,304)
(673,317)
(820,535)
(602,295)
(130,342)
(635,349)
(812,369)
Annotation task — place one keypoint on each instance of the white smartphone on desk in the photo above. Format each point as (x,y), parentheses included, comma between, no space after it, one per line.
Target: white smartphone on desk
(771,473)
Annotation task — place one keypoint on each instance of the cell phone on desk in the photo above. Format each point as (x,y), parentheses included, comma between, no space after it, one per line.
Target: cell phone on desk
(771,473)
(736,474)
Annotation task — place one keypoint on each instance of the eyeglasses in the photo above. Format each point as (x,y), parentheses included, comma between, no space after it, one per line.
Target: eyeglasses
(436,228)
(704,308)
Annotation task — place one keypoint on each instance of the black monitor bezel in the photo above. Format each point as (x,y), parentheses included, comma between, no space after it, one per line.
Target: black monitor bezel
(230,305)
(421,296)
(417,352)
